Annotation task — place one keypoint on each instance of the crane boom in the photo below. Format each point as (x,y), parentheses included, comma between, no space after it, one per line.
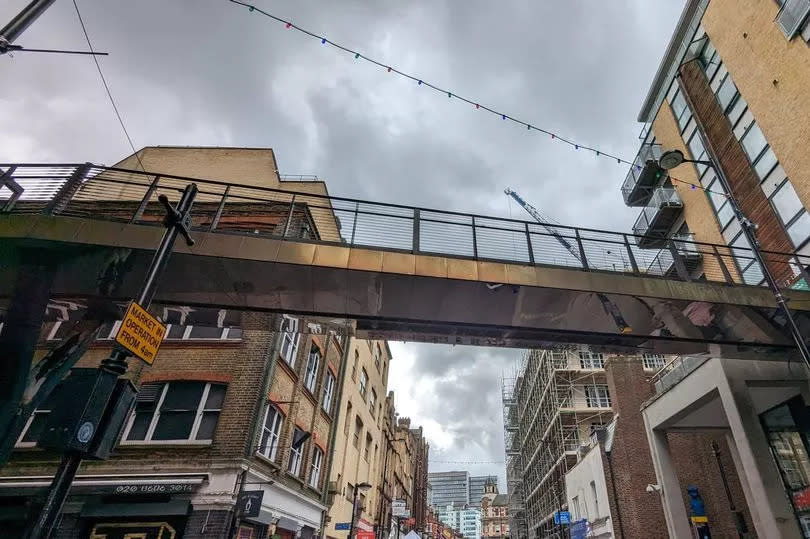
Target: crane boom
(543,221)
(610,308)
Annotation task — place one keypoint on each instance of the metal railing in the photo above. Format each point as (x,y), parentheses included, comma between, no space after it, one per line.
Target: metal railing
(684,246)
(663,197)
(111,194)
(299,178)
(647,152)
(676,370)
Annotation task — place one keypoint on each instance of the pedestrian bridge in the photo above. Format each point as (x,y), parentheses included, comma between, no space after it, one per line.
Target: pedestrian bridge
(399,272)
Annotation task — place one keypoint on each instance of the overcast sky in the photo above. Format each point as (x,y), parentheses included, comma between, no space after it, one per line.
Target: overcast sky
(207,72)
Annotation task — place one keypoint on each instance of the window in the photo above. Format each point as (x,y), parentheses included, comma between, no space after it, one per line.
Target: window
(328,392)
(792,16)
(354,365)
(654,361)
(799,230)
(372,402)
(765,163)
(289,343)
(315,472)
(597,396)
(753,142)
(348,420)
(350,492)
(591,360)
(311,378)
(294,466)
(786,202)
(595,499)
(367,449)
(358,428)
(175,411)
(377,355)
(363,382)
(726,92)
(271,432)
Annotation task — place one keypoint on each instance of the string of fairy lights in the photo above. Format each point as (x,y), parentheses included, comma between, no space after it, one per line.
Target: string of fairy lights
(453,95)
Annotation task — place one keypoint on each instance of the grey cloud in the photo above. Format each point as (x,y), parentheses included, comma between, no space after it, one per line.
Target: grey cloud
(210,73)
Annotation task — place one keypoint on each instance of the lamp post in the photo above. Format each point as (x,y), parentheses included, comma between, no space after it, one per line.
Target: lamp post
(358,487)
(674,158)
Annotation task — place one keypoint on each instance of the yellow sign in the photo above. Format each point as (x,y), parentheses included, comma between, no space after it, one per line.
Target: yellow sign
(140,333)
(447,533)
(700,520)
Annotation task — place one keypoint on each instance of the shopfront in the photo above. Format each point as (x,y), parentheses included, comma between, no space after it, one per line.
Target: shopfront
(286,512)
(105,506)
(787,427)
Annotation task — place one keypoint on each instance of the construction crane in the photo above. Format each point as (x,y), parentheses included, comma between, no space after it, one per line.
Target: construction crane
(610,308)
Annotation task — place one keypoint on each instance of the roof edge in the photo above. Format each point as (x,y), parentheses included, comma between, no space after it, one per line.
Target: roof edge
(669,56)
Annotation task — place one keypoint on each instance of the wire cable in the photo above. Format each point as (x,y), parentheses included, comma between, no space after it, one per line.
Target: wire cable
(450,94)
(107,87)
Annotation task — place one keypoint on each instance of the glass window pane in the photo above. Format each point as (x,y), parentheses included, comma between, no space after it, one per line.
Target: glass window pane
(773,181)
(235,333)
(800,230)
(205,332)
(175,332)
(216,395)
(765,164)
(174,425)
(726,92)
(716,194)
(685,117)
(741,127)
(786,202)
(725,215)
(183,396)
(208,425)
(753,142)
(139,426)
(678,104)
(696,146)
(737,110)
(753,275)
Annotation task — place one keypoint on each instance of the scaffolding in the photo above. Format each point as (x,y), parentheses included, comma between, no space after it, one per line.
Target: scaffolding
(552,405)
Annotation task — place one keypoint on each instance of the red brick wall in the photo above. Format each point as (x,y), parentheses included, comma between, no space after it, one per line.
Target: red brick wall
(632,469)
(630,466)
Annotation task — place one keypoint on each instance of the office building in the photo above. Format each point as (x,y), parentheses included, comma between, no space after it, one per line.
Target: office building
(467,520)
(731,90)
(449,488)
(478,486)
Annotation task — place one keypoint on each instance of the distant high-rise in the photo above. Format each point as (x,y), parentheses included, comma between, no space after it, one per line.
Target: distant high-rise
(477,487)
(450,488)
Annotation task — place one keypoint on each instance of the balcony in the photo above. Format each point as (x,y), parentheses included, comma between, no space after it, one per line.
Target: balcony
(657,218)
(685,250)
(643,176)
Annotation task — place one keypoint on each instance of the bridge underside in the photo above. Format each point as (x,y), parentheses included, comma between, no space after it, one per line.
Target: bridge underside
(411,297)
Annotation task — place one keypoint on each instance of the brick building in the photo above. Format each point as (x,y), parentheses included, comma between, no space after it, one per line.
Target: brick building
(235,401)
(494,512)
(730,93)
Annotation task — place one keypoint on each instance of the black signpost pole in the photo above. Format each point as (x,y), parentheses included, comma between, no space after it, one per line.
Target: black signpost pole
(177,221)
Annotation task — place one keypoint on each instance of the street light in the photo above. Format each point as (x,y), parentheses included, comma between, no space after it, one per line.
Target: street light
(673,158)
(358,487)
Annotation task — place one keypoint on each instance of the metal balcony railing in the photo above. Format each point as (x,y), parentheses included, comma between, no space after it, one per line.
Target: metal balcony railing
(643,176)
(686,252)
(792,15)
(112,194)
(656,218)
(676,370)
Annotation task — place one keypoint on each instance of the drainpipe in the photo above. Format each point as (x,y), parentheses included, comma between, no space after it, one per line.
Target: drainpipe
(335,426)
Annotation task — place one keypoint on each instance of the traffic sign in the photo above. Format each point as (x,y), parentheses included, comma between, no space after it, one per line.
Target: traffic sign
(562,517)
(140,333)
(399,508)
(343,526)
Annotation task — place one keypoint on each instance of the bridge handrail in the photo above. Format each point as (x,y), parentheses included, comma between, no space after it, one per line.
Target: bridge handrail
(45,183)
